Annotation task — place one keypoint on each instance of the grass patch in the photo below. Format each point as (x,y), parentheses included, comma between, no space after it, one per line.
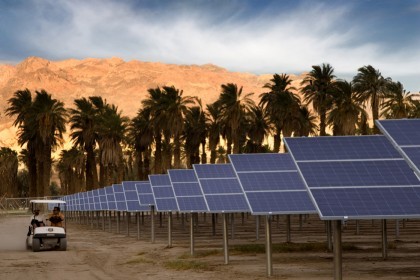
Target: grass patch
(201,254)
(186,265)
(140,260)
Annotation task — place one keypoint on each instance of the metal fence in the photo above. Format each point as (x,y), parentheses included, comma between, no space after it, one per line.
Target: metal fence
(19,205)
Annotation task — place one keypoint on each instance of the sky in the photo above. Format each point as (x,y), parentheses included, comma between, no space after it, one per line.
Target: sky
(255,36)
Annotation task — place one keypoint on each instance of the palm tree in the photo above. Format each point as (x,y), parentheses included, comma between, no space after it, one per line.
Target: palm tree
(397,102)
(371,87)
(306,123)
(415,110)
(259,127)
(140,135)
(346,109)
(71,170)
(84,135)
(317,87)
(174,107)
(41,125)
(194,134)
(19,106)
(213,128)
(8,172)
(111,132)
(234,106)
(48,118)
(279,104)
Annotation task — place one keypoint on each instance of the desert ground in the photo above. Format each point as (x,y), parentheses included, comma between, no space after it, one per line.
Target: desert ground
(95,253)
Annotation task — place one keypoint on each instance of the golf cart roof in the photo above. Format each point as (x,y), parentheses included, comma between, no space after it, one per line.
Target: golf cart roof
(56,201)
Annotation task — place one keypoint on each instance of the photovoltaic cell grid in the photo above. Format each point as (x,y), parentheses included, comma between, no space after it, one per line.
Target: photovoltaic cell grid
(132,198)
(163,193)
(272,184)
(188,194)
(119,197)
(110,198)
(405,136)
(221,188)
(102,199)
(345,183)
(96,202)
(145,193)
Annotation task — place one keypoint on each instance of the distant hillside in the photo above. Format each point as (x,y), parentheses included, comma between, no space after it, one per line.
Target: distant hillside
(122,83)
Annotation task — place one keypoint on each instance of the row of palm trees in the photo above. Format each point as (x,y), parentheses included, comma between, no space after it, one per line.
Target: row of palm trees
(175,131)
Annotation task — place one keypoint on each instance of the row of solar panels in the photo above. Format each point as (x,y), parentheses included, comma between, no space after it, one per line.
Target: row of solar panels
(352,177)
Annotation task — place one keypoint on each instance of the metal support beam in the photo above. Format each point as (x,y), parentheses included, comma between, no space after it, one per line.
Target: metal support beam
(288,230)
(338,275)
(225,238)
(268,246)
(138,225)
(192,235)
(257,227)
(152,223)
(128,216)
(170,229)
(384,241)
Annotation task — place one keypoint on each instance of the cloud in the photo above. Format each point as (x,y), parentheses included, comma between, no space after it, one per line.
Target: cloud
(272,39)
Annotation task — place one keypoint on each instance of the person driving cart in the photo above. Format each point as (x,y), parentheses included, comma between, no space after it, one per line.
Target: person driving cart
(37,220)
(56,218)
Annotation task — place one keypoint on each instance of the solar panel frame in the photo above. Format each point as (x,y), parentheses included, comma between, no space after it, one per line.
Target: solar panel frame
(280,182)
(163,193)
(220,188)
(324,193)
(188,194)
(145,193)
(119,197)
(132,198)
(110,198)
(404,136)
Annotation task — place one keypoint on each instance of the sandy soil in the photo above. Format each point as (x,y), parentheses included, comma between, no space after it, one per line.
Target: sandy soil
(96,254)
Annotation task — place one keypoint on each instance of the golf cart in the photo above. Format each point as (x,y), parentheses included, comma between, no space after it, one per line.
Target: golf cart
(46,236)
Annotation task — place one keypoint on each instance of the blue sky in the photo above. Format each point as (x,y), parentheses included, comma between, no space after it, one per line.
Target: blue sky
(279,36)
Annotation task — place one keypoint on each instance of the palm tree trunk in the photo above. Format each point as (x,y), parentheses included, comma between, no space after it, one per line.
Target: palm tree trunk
(140,165)
(375,112)
(91,172)
(147,156)
(32,170)
(213,155)
(203,155)
(277,141)
(158,154)
(322,123)
(177,152)
(47,169)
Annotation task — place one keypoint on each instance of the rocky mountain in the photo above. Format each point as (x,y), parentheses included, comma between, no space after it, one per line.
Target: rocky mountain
(122,83)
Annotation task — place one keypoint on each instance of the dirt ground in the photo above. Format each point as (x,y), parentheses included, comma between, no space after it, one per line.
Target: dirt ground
(94,253)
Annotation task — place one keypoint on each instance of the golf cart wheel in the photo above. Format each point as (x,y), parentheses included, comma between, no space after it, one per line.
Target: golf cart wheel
(63,244)
(36,245)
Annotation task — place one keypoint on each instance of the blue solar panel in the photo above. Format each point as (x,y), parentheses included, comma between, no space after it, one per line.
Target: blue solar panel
(405,136)
(341,148)
(358,173)
(163,193)
(90,201)
(132,198)
(367,202)
(211,171)
(374,183)
(144,191)
(187,191)
(97,203)
(221,188)
(110,198)
(119,197)
(271,181)
(405,132)
(102,199)
(272,184)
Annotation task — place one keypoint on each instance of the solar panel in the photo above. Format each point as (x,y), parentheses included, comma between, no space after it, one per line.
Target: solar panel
(119,197)
(132,198)
(163,192)
(405,136)
(90,201)
(110,198)
(102,199)
(346,183)
(97,204)
(272,184)
(144,191)
(188,194)
(221,188)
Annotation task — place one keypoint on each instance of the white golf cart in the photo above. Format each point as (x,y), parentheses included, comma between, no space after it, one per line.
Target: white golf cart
(46,237)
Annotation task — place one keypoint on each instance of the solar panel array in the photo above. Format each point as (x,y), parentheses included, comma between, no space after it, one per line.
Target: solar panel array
(132,198)
(405,136)
(187,191)
(271,184)
(221,188)
(356,177)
